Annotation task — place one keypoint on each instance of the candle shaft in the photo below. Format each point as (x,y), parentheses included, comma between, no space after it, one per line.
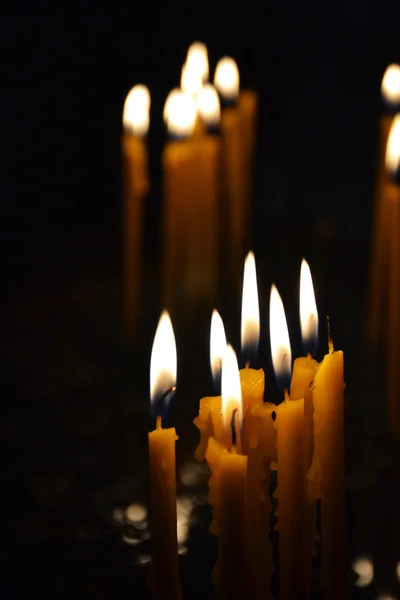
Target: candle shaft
(392,196)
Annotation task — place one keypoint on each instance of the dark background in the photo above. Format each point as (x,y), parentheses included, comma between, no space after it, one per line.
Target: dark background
(75,414)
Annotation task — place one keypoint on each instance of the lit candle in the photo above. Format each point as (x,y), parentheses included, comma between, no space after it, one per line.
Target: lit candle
(197,54)
(390,90)
(208,107)
(289,421)
(258,442)
(162,466)
(135,186)
(304,369)
(231,578)
(193,74)
(391,193)
(327,474)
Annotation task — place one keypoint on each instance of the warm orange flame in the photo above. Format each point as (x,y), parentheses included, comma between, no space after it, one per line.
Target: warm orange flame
(308,307)
(230,388)
(208,105)
(226,78)
(217,344)
(279,334)
(136,116)
(390,87)
(198,55)
(250,307)
(163,359)
(181,115)
(393,147)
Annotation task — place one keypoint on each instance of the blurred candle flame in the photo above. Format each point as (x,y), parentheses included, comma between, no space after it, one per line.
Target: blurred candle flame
(217,346)
(308,309)
(198,55)
(231,390)
(136,113)
(181,115)
(191,78)
(163,362)
(226,78)
(171,98)
(392,158)
(280,342)
(390,86)
(208,105)
(364,568)
(250,333)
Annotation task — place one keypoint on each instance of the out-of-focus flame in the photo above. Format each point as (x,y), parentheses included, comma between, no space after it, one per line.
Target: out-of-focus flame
(280,342)
(208,105)
(398,571)
(364,568)
(136,116)
(390,86)
(181,115)
(250,309)
(226,78)
(198,55)
(393,147)
(231,390)
(217,345)
(191,78)
(163,362)
(308,308)
(386,597)
(171,98)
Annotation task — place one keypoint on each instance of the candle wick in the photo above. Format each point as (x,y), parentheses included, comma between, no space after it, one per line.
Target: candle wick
(330,341)
(247,364)
(164,399)
(286,395)
(158,422)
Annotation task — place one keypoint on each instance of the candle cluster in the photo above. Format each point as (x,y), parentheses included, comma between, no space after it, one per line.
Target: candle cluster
(244,439)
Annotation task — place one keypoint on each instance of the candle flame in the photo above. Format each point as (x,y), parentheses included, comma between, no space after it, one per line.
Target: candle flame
(163,362)
(226,78)
(390,86)
(231,390)
(364,568)
(250,309)
(181,115)
(136,113)
(198,55)
(217,345)
(308,307)
(191,78)
(208,105)
(393,147)
(171,98)
(280,342)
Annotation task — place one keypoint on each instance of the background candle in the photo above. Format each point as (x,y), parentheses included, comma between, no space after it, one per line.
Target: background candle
(163,362)
(135,188)
(390,90)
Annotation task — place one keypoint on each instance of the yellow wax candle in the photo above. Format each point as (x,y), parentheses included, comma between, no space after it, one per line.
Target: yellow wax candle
(327,474)
(135,188)
(213,454)
(381,222)
(165,575)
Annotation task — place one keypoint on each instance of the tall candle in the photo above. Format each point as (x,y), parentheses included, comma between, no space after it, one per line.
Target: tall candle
(135,188)
(327,473)
(165,578)
(391,193)
(390,90)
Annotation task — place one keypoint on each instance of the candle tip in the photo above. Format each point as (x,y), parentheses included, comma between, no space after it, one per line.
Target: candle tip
(330,340)
(158,422)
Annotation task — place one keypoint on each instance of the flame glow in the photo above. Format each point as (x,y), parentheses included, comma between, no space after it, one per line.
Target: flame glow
(250,307)
(181,114)
(226,78)
(364,568)
(171,98)
(393,147)
(191,78)
(308,307)
(279,334)
(197,56)
(231,389)
(136,117)
(208,105)
(390,86)
(163,362)
(217,345)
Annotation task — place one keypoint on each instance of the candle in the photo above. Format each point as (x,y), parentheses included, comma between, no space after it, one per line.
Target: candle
(254,439)
(197,54)
(232,490)
(162,467)
(226,80)
(327,474)
(289,422)
(135,187)
(390,90)
(391,193)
